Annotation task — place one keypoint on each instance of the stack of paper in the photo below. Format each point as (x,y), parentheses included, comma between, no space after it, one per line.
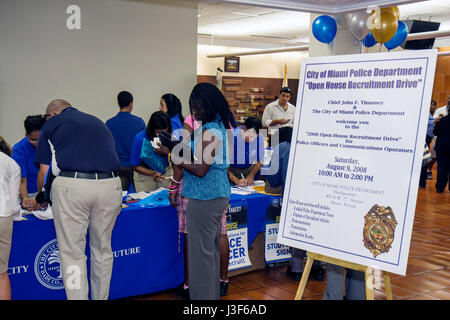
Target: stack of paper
(242,190)
(139,195)
(46,214)
(259,183)
(142,195)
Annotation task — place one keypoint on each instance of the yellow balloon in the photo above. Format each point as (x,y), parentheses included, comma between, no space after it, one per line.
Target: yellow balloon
(390,10)
(397,12)
(386,25)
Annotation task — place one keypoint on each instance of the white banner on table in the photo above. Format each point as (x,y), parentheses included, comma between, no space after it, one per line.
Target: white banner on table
(239,257)
(356,156)
(275,252)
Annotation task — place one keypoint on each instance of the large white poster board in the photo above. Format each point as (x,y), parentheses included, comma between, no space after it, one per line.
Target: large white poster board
(356,155)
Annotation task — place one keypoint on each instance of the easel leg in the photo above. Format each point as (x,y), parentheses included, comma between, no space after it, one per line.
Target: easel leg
(387,285)
(370,295)
(304,279)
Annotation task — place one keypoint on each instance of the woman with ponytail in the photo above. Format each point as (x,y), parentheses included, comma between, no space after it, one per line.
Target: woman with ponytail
(171,105)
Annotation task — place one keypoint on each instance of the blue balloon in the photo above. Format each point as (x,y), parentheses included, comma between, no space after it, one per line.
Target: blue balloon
(324,29)
(399,36)
(369,40)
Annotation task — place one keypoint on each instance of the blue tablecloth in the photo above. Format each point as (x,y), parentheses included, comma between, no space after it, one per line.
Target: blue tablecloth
(147,254)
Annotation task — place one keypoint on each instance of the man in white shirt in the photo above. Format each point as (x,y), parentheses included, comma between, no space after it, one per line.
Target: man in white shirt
(279,113)
(442,111)
(9,205)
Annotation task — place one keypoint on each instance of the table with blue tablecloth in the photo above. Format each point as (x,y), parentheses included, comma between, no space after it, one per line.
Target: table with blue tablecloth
(148,251)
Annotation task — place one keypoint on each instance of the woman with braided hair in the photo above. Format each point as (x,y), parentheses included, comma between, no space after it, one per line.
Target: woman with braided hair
(207,188)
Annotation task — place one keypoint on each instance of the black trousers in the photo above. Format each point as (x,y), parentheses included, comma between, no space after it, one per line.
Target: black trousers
(423,172)
(126,177)
(443,169)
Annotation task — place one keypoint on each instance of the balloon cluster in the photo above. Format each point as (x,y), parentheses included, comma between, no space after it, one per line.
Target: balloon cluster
(369,27)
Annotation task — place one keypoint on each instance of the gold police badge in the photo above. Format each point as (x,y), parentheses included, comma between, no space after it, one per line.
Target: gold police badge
(379,229)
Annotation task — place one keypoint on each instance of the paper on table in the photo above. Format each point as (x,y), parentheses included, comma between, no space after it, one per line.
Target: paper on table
(158,190)
(242,190)
(259,183)
(139,195)
(46,214)
(142,195)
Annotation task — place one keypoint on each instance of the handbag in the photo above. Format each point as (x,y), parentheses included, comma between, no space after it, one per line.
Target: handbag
(168,140)
(152,159)
(171,141)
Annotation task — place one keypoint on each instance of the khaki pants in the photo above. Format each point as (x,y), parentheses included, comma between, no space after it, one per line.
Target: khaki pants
(6,227)
(148,183)
(79,205)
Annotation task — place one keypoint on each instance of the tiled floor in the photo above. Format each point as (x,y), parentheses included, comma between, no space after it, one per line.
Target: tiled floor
(427,277)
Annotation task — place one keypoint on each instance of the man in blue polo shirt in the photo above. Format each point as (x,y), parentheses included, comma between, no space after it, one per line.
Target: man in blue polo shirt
(124,127)
(86,194)
(24,153)
(248,153)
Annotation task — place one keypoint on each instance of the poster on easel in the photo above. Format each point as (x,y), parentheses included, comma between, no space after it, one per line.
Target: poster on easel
(356,156)
(237,231)
(274,252)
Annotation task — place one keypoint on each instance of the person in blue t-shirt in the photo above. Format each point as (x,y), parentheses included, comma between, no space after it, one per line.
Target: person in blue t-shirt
(23,153)
(247,153)
(171,105)
(146,177)
(124,127)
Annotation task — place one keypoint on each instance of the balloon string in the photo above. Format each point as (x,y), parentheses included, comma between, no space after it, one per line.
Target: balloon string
(381,46)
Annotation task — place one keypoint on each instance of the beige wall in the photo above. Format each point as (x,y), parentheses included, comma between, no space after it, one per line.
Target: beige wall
(258,66)
(132,45)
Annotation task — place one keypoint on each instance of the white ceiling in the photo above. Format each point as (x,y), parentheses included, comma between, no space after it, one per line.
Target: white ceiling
(238,25)
(321,6)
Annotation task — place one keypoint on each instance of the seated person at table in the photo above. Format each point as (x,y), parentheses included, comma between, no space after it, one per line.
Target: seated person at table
(23,153)
(247,153)
(277,183)
(150,169)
